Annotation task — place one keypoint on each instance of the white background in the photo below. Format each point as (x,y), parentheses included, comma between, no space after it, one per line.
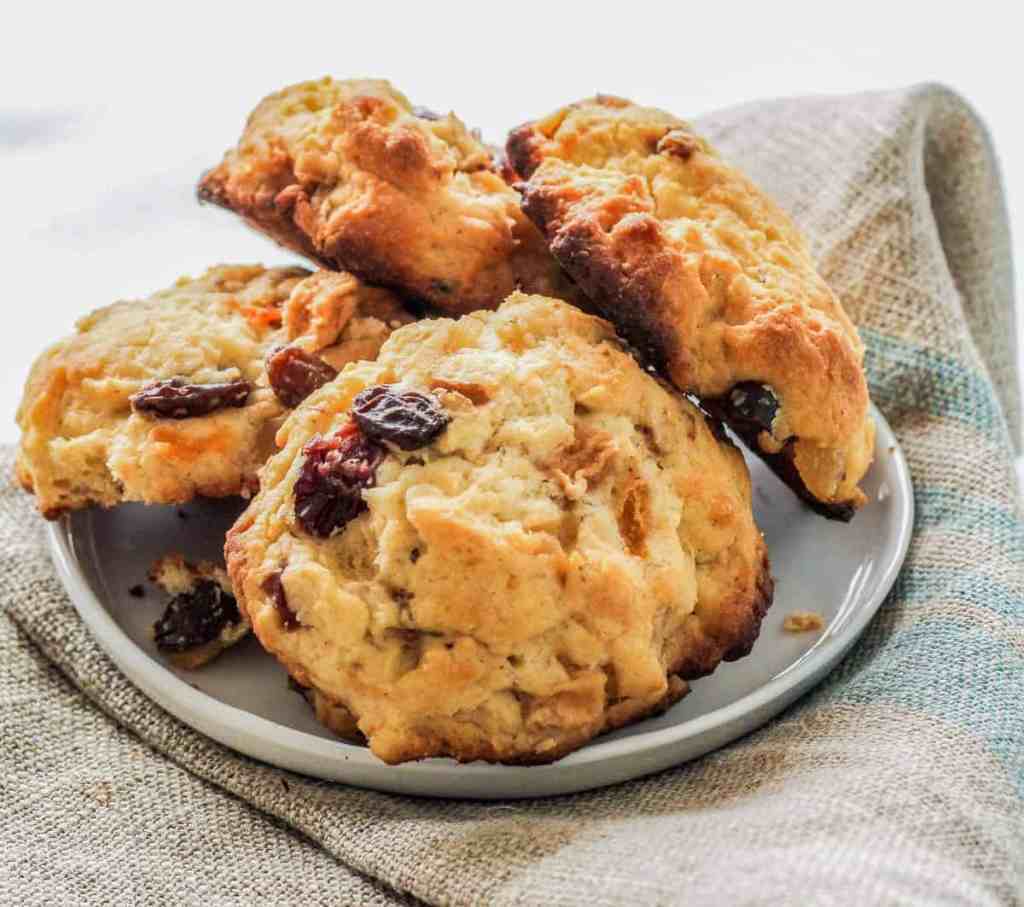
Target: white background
(108,114)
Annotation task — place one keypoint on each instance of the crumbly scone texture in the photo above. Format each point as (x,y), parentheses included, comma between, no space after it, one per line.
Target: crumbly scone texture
(575,545)
(178,576)
(351,175)
(83,443)
(704,274)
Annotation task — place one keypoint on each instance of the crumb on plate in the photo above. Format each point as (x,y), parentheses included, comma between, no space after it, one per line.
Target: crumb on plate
(803,622)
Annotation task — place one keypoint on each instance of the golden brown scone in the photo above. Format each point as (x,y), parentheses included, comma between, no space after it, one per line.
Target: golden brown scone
(202,618)
(499,539)
(102,423)
(709,280)
(351,175)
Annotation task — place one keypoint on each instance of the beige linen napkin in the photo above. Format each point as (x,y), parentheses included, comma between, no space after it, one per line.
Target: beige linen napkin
(900,779)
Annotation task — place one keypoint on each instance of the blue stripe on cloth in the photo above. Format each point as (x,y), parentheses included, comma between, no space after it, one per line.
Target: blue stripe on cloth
(907,376)
(928,668)
(956,511)
(973,586)
(929,664)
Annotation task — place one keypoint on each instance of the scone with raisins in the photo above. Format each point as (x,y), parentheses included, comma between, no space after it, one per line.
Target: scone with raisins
(706,276)
(180,394)
(351,175)
(499,539)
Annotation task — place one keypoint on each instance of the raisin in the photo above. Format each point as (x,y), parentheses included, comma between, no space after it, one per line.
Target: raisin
(174,399)
(328,491)
(294,374)
(408,420)
(194,618)
(753,403)
(273,586)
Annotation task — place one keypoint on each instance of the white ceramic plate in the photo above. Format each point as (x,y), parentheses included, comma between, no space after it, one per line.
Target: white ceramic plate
(242,699)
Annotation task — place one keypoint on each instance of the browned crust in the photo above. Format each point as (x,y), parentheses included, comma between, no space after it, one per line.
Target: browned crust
(728,630)
(236,559)
(261,213)
(522,152)
(780,463)
(338,720)
(627,297)
(524,147)
(612,244)
(404,206)
(197,657)
(627,294)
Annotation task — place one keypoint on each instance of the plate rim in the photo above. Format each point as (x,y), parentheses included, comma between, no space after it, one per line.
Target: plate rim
(234,727)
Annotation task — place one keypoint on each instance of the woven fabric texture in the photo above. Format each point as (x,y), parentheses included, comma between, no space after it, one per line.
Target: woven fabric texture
(899,780)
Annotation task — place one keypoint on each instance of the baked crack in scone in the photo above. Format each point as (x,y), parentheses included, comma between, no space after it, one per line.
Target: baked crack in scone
(202,619)
(710,280)
(499,539)
(351,175)
(169,397)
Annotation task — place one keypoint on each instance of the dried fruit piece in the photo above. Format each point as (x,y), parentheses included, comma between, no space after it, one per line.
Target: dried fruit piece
(294,374)
(328,492)
(273,586)
(753,403)
(195,618)
(174,399)
(409,420)
(749,409)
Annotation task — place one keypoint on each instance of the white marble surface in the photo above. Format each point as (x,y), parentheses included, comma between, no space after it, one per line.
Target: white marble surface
(109,113)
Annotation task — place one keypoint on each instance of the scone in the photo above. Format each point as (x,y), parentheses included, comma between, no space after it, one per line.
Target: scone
(169,397)
(202,618)
(354,177)
(709,280)
(499,539)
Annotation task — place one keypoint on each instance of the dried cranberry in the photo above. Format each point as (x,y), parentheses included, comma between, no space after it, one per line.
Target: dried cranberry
(328,492)
(409,420)
(174,399)
(194,618)
(294,374)
(273,586)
